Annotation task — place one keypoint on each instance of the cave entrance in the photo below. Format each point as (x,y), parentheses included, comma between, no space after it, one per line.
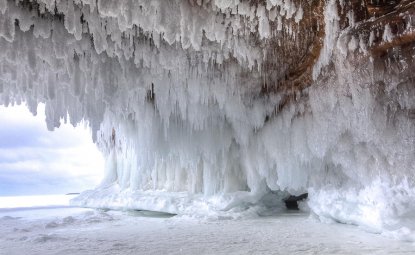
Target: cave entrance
(291,202)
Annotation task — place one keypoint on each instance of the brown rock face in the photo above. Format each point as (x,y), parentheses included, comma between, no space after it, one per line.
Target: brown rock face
(295,54)
(377,25)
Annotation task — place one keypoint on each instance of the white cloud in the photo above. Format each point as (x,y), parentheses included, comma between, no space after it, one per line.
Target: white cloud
(34,160)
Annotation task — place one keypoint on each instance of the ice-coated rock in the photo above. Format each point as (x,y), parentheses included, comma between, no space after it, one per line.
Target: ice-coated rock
(217,106)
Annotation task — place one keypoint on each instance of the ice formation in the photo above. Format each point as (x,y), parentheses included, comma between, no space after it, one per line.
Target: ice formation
(224,106)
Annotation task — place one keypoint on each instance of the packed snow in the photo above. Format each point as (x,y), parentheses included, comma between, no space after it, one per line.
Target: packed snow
(86,231)
(173,93)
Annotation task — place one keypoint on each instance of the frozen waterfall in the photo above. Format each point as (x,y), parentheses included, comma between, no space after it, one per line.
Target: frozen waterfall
(224,107)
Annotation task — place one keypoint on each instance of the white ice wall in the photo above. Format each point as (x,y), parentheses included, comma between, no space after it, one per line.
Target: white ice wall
(172,91)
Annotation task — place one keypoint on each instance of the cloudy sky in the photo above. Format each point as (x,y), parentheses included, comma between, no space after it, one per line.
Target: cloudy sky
(35,161)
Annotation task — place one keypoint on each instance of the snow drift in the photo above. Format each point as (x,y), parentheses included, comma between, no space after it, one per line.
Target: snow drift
(194,106)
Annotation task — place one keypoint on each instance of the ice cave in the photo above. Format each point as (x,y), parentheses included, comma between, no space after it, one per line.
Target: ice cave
(224,108)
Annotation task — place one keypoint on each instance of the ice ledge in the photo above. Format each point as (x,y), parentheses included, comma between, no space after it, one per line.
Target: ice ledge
(222,206)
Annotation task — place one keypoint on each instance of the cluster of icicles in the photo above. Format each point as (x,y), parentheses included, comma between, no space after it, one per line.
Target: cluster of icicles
(172,92)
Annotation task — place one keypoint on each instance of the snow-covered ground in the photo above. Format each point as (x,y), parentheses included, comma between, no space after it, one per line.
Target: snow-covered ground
(69,230)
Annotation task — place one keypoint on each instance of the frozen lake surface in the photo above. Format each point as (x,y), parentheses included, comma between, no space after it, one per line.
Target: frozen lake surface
(68,230)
